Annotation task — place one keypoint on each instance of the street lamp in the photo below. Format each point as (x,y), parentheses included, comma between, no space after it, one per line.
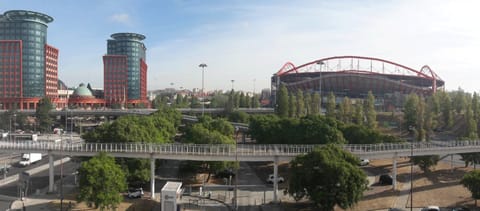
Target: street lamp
(233,81)
(320,63)
(203,66)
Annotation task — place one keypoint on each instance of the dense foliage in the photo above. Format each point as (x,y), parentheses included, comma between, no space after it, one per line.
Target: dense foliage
(471,181)
(210,131)
(42,113)
(312,129)
(101,182)
(328,176)
(159,127)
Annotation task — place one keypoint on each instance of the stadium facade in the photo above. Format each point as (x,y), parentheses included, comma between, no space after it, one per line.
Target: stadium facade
(355,76)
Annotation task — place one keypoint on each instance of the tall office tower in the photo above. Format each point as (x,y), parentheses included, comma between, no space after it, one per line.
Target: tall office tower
(125,71)
(28,65)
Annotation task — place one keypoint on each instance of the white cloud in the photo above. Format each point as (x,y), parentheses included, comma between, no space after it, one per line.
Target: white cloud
(122,18)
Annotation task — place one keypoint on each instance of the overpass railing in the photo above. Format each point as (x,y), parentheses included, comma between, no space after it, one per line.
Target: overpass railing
(230,149)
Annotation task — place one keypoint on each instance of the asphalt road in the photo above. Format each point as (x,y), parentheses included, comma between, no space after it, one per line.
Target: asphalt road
(39,180)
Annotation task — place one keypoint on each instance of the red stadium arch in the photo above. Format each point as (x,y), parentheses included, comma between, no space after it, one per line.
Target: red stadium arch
(370,65)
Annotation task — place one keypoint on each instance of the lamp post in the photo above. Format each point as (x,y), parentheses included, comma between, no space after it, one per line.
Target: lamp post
(320,63)
(236,170)
(203,66)
(233,81)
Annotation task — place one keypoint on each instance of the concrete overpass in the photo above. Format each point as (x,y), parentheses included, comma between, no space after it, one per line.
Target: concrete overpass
(240,152)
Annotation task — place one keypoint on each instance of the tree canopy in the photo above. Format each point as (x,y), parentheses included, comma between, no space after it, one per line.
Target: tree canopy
(312,129)
(342,183)
(159,127)
(471,181)
(42,114)
(101,182)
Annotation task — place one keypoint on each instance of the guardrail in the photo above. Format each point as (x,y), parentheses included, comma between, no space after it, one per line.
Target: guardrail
(240,150)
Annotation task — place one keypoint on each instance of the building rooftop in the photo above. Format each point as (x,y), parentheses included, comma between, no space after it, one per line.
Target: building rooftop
(25,15)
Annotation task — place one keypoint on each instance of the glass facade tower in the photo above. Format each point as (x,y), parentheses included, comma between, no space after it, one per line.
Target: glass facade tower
(125,69)
(28,65)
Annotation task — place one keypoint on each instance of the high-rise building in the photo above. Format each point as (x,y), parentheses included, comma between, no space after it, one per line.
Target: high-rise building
(28,65)
(125,70)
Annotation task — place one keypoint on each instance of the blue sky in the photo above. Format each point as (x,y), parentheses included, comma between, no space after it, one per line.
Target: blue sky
(247,40)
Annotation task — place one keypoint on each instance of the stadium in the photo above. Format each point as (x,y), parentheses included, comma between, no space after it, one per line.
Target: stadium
(355,76)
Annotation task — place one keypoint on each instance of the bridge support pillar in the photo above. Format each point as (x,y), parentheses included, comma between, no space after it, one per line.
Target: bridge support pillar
(275,180)
(152,176)
(50,172)
(394,176)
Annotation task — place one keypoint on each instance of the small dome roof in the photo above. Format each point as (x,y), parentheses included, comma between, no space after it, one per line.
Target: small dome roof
(82,91)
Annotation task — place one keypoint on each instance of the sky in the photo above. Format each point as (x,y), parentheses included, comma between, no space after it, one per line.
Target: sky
(249,40)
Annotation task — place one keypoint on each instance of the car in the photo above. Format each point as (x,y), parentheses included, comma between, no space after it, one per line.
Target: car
(270,179)
(364,162)
(396,209)
(462,208)
(431,208)
(135,193)
(385,179)
(4,168)
(226,173)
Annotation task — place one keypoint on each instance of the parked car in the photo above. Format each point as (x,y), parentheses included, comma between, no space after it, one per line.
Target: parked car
(270,179)
(364,162)
(135,193)
(431,208)
(226,173)
(396,209)
(385,179)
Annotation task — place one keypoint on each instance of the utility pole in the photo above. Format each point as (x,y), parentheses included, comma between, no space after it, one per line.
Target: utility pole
(203,66)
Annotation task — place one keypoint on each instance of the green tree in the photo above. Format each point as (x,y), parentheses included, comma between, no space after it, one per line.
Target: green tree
(255,102)
(331,104)
(446,109)
(211,131)
(476,106)
(459,100)
(411,110)
(101,182)
(308,103)
(421,120)
(43,115)
(300,104)
(238,116)
(236,99)
(342,183)
(292,105)
(370,114)
(159,127)
(230,105)
(282,102)
(426,162)
(242,101)
(316,109)
(471,181)
(358,117)
(345,110)
(248,104)
(471,124)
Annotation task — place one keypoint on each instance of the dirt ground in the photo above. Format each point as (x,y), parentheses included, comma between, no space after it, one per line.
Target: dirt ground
(439,187)
(143,204)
